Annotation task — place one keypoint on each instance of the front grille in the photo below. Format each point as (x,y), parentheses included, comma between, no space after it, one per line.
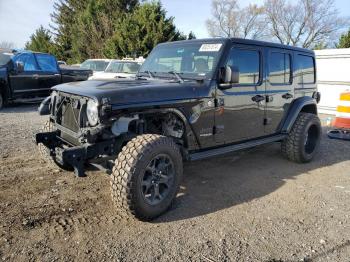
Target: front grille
(70,117)
(68,113)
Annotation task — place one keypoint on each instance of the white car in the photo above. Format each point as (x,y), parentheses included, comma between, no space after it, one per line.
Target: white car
(96,65)
(118,69)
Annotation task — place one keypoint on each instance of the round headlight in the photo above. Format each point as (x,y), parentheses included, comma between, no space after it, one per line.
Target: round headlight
(92,112)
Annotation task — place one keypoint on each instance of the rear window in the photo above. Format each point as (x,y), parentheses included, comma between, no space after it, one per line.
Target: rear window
(47,63)
(279,67)
(305,66)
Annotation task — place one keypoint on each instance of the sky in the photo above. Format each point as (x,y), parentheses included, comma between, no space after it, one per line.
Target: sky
(20,18)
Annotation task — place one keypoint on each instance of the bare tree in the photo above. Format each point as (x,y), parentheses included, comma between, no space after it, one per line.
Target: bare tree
(229,20)
(7,45)
(305,23)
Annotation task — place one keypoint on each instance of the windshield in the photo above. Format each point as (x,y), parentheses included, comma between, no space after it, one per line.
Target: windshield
(123,67)
(193,60)
(5,58)
(95,65)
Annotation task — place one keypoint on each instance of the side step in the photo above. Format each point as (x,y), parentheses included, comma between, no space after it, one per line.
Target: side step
(236,147)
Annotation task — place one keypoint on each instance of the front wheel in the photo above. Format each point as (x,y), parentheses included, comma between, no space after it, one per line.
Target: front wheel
(303,140)
(146,176)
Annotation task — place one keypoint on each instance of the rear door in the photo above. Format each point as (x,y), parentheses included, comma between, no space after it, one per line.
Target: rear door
(49,74)
(240,112)
(26,82)
(279,87)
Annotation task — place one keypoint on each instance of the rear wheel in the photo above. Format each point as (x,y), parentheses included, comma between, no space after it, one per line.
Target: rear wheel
(146,176)
(45,152)
(303,140)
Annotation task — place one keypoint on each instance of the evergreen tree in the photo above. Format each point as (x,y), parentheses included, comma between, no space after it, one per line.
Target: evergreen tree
(64,22)
(142,30)
(191,35)
(96,25)
(320,46)
(40,41)
(344,41)
(84,29)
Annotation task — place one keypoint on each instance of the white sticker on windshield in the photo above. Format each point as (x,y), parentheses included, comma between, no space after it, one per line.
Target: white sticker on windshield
(210,48)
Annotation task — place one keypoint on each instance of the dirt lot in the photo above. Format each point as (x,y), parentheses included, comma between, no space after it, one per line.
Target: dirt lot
(249,206)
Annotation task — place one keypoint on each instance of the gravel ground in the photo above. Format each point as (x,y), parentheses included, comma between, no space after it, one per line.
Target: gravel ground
(249,206)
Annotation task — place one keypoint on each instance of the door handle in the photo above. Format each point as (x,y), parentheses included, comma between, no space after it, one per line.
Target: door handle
(36,76)
(287,96)
(258,98)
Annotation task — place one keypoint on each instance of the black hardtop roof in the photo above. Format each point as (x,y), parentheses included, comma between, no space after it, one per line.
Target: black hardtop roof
(243,41)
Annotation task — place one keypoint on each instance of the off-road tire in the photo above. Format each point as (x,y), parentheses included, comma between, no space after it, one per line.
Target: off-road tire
(303,140)
(130,167)
(45,152)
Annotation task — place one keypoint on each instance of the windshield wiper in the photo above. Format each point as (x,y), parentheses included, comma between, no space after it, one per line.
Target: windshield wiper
(149,73)
(181,80)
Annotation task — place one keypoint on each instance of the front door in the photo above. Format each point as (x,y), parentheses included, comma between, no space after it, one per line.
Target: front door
(25,83)
(240,109)
(279,91)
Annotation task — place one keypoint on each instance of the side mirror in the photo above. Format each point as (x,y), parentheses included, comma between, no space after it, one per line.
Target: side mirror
(229,75)
(20,67)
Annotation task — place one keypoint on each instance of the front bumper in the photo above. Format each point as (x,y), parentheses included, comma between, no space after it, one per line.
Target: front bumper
(77,156)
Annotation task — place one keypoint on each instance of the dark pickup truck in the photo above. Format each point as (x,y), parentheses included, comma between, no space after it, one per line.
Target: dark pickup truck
(26,74)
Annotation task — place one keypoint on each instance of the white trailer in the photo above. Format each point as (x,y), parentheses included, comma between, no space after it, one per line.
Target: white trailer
(333,77)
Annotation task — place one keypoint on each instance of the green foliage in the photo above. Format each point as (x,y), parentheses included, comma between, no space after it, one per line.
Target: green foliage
(139,32)
(64,19)
(41,41)
(344,41)
(191,35)
(84,29)
(320,46)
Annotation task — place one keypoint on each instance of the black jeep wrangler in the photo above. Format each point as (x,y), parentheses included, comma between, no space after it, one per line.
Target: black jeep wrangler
(190,100)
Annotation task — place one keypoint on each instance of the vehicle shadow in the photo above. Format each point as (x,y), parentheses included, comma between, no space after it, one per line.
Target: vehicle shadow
(18,107)
(216,184)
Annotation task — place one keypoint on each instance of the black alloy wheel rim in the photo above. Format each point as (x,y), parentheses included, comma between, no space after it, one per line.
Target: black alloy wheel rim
(311,139)
(158,179)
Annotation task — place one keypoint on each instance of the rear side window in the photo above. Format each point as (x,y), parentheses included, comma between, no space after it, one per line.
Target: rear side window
(279,67)
(47,63)
(305,66)
(248,64)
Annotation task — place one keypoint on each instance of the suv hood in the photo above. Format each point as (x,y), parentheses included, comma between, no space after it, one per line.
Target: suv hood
(125,92)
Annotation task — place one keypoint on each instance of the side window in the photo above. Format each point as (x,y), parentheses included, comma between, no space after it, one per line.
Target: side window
(28,61)
(47,63)
(279,67)
(248,64)
(305,66)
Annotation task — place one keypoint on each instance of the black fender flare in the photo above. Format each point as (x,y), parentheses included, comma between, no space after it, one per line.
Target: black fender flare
(44,108)
(191,137)
(302,104)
